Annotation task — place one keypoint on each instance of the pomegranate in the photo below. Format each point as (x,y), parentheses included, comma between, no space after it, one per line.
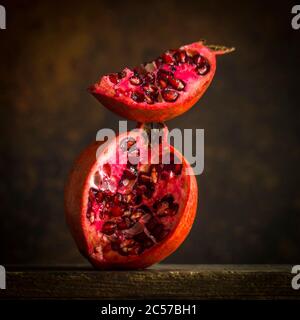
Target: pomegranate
(128,208)
(161,89)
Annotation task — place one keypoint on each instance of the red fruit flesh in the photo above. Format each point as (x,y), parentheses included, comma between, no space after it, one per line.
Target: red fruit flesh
(162,89)
(126,216)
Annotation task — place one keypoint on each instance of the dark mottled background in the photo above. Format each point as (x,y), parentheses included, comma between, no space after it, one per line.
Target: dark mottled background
(249,208)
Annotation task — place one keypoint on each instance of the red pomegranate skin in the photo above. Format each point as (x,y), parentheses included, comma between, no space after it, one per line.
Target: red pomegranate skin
(76,194)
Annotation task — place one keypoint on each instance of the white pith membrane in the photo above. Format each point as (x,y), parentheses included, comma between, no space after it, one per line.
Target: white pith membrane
(132,208)
(173,76)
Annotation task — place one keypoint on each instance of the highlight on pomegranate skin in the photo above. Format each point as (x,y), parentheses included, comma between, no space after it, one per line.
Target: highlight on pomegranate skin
(129,215)
(163,88)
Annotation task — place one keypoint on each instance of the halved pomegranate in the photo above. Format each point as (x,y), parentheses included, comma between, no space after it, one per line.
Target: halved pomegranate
(125,213)
(161,89)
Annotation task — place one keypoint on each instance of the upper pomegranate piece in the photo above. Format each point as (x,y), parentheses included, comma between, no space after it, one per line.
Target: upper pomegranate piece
(163,88)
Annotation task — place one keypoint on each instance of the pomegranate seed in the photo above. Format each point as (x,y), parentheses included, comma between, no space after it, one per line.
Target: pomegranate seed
(175,207)
(129,173)
(138,199)
(127,243)
(135,80)
(167,198)
(107,169)
(113,78)
(144,209)
(149,78)
(198,59)
(148,243)
(166,206)
(163,209)
(151,224)
(132,168)
(136,215)
(125,182)
(117,198)
(159,61)
(180,56)
(148,99)
(127,213)
(151,93)
(156,167)
(149,191)
(116,211)
(123,251)
(189,60)
(115,245)
(144,179)
(169,95)
(99,197)
(202,65)
(160,236)
(158,232)
(127,198)
(164,175)
(150,88)
(136,249)
(126,186)
(109,227)
(144,240)
(162,83)
(203,69)
(154,175)
(176,83)
(141,189)
(144,168)
(141,237)
(121,74)
(167,57)
(138,97)
(124,224)
(163,74)
(93,192)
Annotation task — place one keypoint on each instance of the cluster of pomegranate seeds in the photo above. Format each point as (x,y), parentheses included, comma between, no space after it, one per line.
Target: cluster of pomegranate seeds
(116,77)
(134,217)
(161,80)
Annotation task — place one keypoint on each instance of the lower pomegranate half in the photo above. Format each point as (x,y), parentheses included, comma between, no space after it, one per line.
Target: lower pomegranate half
(129,216)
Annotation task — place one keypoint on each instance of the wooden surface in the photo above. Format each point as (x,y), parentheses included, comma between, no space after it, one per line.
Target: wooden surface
(161,281)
